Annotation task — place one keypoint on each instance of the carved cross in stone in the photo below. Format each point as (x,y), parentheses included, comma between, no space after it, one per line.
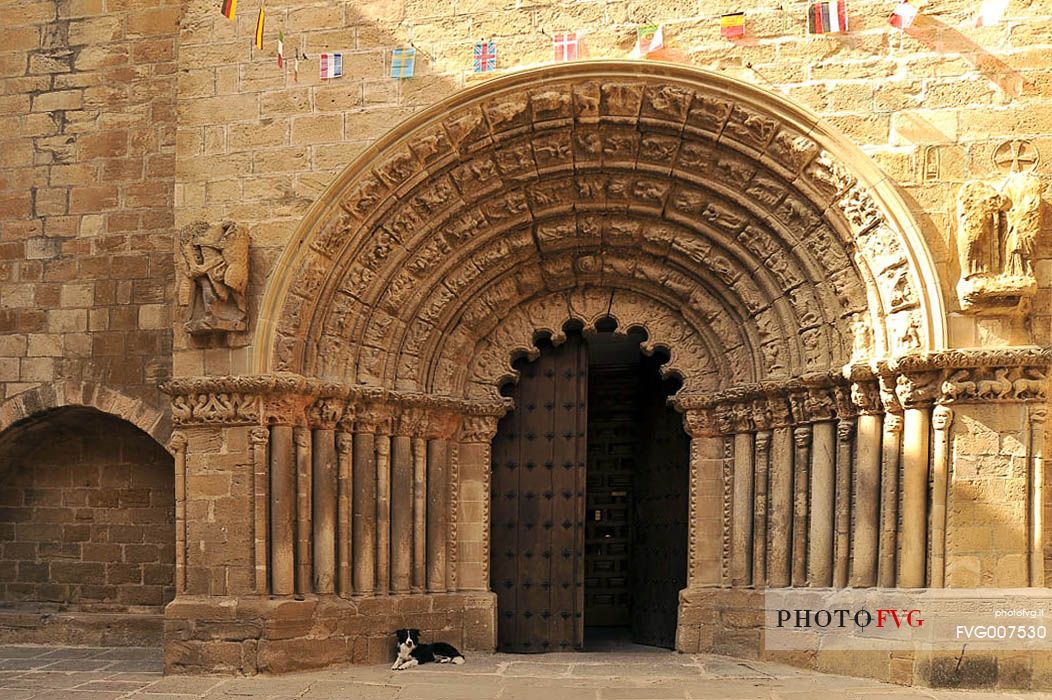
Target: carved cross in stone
(1015,156)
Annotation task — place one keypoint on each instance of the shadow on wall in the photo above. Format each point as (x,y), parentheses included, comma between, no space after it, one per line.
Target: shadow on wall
(87,530)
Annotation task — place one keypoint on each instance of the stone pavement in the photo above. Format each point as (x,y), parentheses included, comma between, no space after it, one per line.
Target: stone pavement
(90,673)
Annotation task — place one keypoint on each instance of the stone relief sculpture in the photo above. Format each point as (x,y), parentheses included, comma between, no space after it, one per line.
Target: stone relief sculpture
(214,262)
(997,229)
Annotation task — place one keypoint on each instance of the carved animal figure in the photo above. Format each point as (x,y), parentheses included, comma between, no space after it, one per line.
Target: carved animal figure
(957,386)
(1031,385)
(997,388)
(214,262)
(978,208)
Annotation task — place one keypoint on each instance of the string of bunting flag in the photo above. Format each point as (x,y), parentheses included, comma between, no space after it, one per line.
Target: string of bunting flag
(823,17)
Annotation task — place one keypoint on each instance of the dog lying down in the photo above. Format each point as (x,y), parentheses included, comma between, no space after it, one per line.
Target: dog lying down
(412,653)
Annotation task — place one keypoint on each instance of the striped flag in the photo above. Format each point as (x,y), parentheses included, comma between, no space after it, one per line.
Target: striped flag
(827,17)
(732,25)
(403,62)
(281,49)
(229,9)
(903,15)
(485,56)
(331,65)
(260,21)
(991,12)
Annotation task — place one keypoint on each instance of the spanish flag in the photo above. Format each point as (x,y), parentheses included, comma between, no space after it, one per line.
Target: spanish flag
(259,27)
(229,9)
(732,25)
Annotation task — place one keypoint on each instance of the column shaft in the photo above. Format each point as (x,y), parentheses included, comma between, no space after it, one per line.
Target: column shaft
(842,544)
(323,457)
(364,513)
(437,512)
(801,481)
(916,424)
(823,491)
(941,420)
(383,513)
(302,438)
(1038,415)
(282,510)
(867,501)
(889,499)
(401,513)
(419,580)
(344,499)
(759,527)
(780,508)
(742,508)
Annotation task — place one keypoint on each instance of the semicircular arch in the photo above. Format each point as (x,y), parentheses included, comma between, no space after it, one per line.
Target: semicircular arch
(741,215)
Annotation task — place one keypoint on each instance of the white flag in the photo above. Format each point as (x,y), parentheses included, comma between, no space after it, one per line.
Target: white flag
(991,12)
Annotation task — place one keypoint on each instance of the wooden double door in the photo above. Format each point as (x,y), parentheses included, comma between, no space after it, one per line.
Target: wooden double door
(589,505)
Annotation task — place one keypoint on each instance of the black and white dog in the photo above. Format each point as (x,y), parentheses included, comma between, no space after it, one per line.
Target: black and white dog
(412,653)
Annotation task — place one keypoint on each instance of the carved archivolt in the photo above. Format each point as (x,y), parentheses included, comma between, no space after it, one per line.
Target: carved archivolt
(725,228)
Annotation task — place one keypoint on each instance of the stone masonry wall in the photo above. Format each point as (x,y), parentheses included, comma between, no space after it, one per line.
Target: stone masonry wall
(87,516)
(87,135)
(259,146)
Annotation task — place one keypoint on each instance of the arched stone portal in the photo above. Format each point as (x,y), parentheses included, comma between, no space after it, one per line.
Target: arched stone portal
(766,255)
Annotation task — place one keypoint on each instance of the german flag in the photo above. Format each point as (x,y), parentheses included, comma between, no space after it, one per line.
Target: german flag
(259,27)
(229,9)
(732,25)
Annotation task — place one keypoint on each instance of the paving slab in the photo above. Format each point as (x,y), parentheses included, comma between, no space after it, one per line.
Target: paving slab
(92,673)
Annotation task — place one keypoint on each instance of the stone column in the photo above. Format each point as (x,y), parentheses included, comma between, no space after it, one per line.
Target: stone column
(915,396)
(801,463)
(363,508)
(325,490)
(383,509)
(891,447)
(177,446)
(419,580)
(823,489)
(402,502)
(759,527)
(865,541)
(282,511)
(473,513)
(344,499)
(1038,416)
(258,438)
(437,525)
(942,418)
(845,432)
(742,496)
(705,542)
(301,436)
(780,503)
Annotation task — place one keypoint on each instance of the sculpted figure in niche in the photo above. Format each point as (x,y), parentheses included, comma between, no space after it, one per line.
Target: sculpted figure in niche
(214,261)
(996,236)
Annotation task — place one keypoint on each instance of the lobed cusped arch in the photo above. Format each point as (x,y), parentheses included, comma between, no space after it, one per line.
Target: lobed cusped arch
(747,237)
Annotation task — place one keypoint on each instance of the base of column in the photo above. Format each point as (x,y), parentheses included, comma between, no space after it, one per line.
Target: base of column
(252,634)
(729,621)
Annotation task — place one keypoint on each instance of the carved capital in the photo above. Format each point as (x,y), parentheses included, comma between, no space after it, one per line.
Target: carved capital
(893,422)
(285,409)
(845,428)
(763,441)
(820,404)
(177,442)
(326,412)
(411,421)
(778,409)
(700,422)
(344,443)
(441,424)
(865,395)
(888,397)
(478,429)
(742,417)
(761,414)
(802,436)
(259,437)
(724,420)
(941,417)
(916,390)
(1038,413)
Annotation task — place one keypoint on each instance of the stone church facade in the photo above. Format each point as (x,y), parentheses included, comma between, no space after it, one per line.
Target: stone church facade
(287,364)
